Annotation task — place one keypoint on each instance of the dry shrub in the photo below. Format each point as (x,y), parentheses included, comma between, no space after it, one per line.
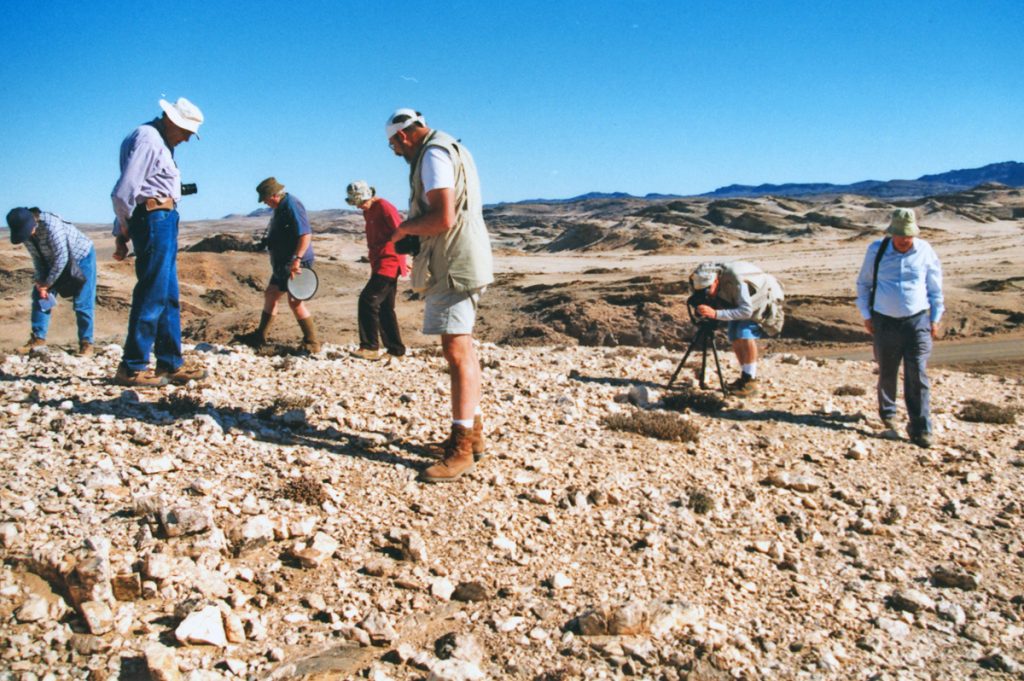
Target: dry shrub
(305,490)
(700,501)
(979,411)
(285,403)
(180,404)
(659,425)
(855,390)
(694,400)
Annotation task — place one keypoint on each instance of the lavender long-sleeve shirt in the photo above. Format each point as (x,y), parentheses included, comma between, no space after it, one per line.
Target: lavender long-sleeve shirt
(147,170)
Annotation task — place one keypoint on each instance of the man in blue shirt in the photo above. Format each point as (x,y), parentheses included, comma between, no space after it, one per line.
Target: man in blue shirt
(899,296)
(145,202)
(289,240)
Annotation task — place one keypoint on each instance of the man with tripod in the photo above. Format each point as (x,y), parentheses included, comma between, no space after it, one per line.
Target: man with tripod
(750,300)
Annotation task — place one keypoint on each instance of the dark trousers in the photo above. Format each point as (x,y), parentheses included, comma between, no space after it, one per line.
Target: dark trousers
(154,323)
(377,315)
(907,340)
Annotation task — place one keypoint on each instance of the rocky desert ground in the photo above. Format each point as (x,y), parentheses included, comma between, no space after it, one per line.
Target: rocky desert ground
(267,523)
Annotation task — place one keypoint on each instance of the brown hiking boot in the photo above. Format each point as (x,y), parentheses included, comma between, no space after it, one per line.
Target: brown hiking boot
(138,379)
(440,449)
(258,338)
(310,343)
(457,461)
(84,349)
(183,374)
(744,386)
(34,342)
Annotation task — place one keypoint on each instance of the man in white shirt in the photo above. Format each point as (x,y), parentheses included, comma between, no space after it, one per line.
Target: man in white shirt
(452,269)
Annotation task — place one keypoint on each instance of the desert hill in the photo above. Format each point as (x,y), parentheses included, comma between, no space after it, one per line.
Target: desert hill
(598,272)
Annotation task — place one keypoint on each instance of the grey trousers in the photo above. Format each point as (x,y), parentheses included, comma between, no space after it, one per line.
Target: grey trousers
(907,340)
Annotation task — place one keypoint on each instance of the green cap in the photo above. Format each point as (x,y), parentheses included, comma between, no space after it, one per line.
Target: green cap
(903,223)
(269,187)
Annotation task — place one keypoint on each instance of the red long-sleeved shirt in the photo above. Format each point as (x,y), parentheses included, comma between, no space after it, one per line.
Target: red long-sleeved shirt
(381,222)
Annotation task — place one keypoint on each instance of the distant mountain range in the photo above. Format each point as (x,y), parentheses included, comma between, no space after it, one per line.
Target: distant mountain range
(1010,173)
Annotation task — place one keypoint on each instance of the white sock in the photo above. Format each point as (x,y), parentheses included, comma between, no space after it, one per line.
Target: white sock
(465,423)
(750,369)
(477,412)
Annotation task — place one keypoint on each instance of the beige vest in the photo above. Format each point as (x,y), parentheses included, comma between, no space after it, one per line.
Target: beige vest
(460,258)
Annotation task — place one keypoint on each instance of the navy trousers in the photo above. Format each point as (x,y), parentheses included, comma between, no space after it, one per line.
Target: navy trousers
(907,340)
(377,315)
(154,324)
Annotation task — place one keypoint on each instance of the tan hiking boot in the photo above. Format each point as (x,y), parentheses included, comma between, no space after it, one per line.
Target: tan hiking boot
(367,353)
(138,379)
(33,343)
(458,461)
(310,342)
(84,349)
(440,449)
(183,374)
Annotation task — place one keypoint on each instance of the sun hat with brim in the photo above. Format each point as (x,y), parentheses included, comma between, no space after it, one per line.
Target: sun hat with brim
(410,116)
(903,223)
(704,276)
(358,192)
(21,222)
(183,114)
(269,187)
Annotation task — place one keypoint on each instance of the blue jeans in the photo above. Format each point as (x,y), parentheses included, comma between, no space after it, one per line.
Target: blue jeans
(85,303)
(907,340)
(154,323)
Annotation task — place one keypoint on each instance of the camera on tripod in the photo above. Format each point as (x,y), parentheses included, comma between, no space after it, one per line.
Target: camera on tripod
(699,298)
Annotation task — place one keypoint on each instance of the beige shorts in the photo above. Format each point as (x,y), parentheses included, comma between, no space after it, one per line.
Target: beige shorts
(450,312)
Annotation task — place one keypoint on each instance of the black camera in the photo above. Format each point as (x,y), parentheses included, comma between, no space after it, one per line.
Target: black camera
(189,189)
(699,298)
(408,245)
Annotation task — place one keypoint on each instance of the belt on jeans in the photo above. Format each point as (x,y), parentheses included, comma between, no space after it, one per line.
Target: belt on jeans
(899,319)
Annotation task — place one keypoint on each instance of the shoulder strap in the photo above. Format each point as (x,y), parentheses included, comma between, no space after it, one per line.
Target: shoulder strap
(874,277)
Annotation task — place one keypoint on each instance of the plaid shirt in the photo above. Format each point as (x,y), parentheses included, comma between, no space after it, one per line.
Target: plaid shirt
(49,246)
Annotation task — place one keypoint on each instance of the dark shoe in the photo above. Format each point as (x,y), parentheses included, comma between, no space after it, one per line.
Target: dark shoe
(253,339)
(744,386)
(922,440)
(183,374)
(33,343)
(440,449)
(84,349)
(457,461)
(889,424)
(138,379)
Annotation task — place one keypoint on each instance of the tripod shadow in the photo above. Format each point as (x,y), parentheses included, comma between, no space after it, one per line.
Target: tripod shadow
(609,380)
(839,422)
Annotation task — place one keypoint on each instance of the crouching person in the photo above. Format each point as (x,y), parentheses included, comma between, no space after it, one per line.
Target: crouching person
(54,244)
(751,301)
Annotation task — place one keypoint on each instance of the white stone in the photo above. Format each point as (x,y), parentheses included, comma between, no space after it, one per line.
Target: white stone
(203,627)
(441,588)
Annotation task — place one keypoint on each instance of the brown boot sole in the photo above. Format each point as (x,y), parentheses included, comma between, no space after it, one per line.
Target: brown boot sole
(452,478)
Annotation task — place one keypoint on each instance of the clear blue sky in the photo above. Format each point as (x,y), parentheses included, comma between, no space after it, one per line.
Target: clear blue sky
(554,99)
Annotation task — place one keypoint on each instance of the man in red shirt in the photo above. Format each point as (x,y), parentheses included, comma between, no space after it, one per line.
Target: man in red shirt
(377,318)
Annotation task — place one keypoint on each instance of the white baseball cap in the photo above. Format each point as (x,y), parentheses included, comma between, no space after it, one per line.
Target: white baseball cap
(704,276)
(183,114)
(411,116)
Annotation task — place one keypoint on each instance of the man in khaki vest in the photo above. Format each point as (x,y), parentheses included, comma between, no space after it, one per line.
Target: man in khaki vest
(452,268)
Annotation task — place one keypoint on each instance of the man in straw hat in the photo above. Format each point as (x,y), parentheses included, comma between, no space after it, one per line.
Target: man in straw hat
(289,241)
(899,296)
(145,202)
(452,269)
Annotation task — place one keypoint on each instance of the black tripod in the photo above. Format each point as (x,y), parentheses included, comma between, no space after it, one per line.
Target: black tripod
(704,338)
